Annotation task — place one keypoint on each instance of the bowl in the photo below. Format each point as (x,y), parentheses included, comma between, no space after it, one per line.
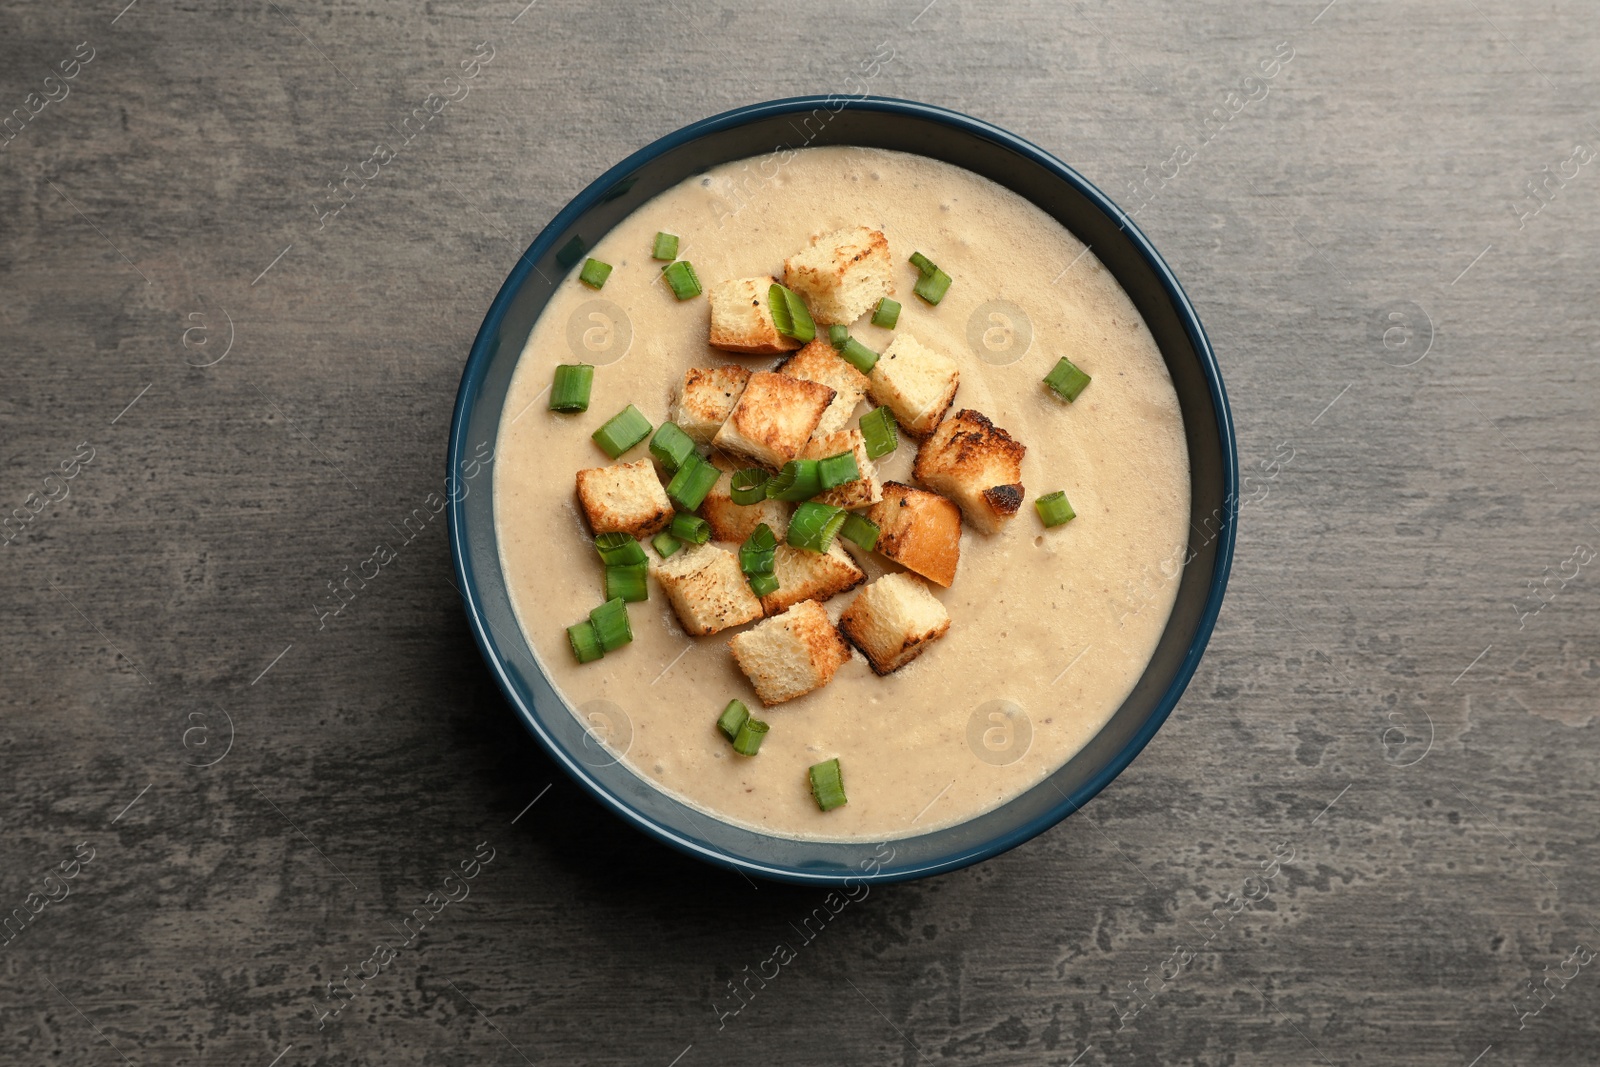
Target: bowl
(908,127)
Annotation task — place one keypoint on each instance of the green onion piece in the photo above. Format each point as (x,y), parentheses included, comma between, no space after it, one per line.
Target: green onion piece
(1053,509)
(671,446)
(887,313)
(861,530)
(748,743)
(826,784)
(570,390)
(665,544)
(683,280)
(757,553)
(813,525)
(619,550)
(594,273)
(611,624)
(859,355)
(585,642)
(748,486)
(838,470)
(732,717)
(923,264)
(665,247)
(763,584)
(622,431)
(1066,380)
(693,481)
(690,528)
(628,582)
(838,335)
(798,480)
(932,287)
(878,430)
(790,314)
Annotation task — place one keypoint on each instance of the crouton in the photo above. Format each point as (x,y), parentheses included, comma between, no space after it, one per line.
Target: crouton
(624,498)
(915,382)
(806,575)
(790,654)
(774,418)
(843,275)
(820,362)
(919,530)
(707,589)
(735,522)
(893,620)
(978,465)
(706,397)
(741,319)
(859,493)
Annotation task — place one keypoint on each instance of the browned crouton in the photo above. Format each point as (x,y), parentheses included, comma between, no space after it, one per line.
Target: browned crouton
(790,654)
(892,620)
(920,530)
(741,319)
(915,382)
(774,418)
(843,274)
(707,589)
(978,465)
(806,575)
(735,522)
(859,493)
(706,397)
(624,498)
(819,361)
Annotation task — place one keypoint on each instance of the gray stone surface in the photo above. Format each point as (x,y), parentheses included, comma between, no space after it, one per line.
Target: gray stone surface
(1409,351)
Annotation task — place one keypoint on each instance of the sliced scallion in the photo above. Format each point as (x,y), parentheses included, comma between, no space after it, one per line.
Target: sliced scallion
(798,480)
(859,355)
(732,717)
(665,544)
(757,554)
(611,626)
(748,486)
(827,785)
(628,582)
(838,470)
(860,530)
(622,431)
(878,431)
(748,742)
(681,277)
(813,525)
(932,287)
(1054,509)
(693,481)
(923,264)
(690,528)
(671,446)
(585,642)
(619,550)
(594,273)
(790,315)
(838,335)
(570,389)
(763,584)
(886,314)
(1066,380)
(665,246)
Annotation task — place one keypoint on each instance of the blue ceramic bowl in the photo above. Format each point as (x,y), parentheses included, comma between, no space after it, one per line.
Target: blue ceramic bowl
(1003,158)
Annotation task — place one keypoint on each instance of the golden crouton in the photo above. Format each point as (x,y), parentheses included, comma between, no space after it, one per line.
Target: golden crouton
(892,620)
(978,465)
(707,589)
(735,522)
(774,418)
(806,575)
(843,275)
(819,361)
(624,498)
(915,382)
(920,530)
(790,654)
(859,493)
(741,319)
(706,397)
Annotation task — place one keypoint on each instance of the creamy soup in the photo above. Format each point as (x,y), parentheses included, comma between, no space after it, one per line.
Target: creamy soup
(1049,628)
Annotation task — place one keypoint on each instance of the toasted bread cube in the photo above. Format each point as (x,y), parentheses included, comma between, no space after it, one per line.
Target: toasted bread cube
(915,382)
(978,465)
(859,493)
(774,418)
(892,620)
(706,397)
(820,362)
(919,530)
(741,319)
(843,275)
(735,522)
(624,498)
(806,575)
(790,654)
(707,589)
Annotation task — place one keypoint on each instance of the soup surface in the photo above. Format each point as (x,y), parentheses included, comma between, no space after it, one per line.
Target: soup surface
(1050,628)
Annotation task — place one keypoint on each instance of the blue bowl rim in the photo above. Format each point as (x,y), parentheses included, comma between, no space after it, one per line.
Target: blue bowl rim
(481,356)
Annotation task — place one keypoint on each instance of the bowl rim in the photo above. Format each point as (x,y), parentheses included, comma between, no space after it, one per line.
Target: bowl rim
(483,351)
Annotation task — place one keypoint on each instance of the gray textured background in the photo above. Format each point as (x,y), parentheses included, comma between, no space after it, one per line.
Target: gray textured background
(1381,699)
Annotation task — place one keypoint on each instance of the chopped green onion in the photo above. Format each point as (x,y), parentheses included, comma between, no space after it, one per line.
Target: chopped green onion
(671,446)
(690,528)
(923,264)
(585,642)
(1054,509)
(570,390)
(628,582)
(619,550)
(665,247)
(732,717)
(790,314)
(1066,380)
(748,486)
(798,480)
(756,555)
(860,530)
(611,624)
(763,584)
(665,544)
(887,313)
(594,273)
(693,481)
(838,335)
(813,525)
(932,287)
(748,743)
(859,355)
(622,431)
(681,277)
(878,430)
(838,470)
(826,784)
